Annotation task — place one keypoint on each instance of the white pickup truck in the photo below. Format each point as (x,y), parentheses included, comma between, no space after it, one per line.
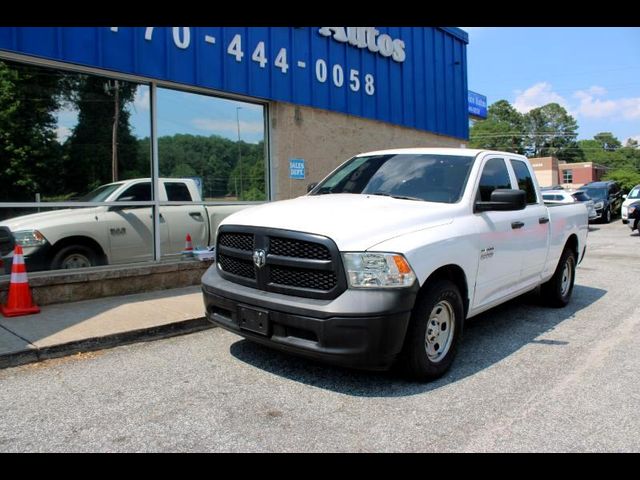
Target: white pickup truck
(386,257)
(104,235)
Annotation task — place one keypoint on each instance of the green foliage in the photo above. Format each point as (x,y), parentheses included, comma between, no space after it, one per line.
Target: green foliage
(29,152)
(607,141)
(551,131)
(502,130)
(626,177)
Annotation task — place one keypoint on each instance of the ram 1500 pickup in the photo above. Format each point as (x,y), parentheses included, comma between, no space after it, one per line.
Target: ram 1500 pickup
(103,235)
(384,259)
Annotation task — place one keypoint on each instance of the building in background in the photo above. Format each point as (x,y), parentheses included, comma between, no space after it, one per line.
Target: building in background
(552,172)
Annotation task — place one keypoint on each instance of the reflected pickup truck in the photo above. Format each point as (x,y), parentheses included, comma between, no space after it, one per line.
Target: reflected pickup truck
(381,263)
(106,235)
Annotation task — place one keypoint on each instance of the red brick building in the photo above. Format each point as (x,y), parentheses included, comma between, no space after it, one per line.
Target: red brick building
(550,171)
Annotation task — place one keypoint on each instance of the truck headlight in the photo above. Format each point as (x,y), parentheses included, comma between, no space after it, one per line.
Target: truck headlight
(29,238)
(631,210)
(599,204)
(376,270)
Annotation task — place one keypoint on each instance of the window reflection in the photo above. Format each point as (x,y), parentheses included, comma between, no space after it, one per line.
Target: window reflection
(219,143)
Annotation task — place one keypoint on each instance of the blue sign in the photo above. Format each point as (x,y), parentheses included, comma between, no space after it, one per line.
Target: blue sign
(477,105)
(411,76)
(296,168)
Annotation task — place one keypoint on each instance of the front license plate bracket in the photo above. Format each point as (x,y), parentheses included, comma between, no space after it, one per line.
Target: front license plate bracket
(254,320)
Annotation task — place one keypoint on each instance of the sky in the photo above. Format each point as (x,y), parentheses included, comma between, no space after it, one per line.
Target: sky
(593,72)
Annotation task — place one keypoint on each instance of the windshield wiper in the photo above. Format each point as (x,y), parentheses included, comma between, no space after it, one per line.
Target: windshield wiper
(401,197)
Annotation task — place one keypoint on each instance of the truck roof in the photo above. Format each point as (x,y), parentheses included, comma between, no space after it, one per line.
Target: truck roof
(469,152)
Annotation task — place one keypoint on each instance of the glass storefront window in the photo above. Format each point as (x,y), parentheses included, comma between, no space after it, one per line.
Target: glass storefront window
(76,167)
(217,142)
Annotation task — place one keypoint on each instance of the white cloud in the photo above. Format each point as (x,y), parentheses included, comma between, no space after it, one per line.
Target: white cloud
(218,125)
(536,96)
(142,100)
(62,133)
(592,107)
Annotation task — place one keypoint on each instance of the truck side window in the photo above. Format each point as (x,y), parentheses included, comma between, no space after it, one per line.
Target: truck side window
(141,192)
(177,192)
(525,182)
(494,175)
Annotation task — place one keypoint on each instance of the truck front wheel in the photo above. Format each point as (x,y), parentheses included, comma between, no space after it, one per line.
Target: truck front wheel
(434,332)
(74,256)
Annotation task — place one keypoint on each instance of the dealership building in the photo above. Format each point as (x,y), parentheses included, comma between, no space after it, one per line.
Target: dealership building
(251,114)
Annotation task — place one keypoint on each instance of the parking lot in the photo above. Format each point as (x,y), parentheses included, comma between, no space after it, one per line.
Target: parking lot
(527,378)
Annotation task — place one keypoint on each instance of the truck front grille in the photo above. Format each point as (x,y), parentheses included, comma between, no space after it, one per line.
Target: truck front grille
(237,266)
(241,241)
(298,277)
(295,263)
(298,248)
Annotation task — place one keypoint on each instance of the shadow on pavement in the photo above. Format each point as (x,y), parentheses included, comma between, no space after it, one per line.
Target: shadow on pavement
(489,338)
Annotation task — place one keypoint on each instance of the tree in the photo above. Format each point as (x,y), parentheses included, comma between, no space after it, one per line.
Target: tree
(29,153)
(89,148)
(502,130)
(631,143)
(551,131)
(626,177)
(607,141)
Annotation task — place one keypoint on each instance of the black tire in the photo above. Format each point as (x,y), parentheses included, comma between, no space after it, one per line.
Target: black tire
(606,215)
(74,256)
(557,292)
(415,361)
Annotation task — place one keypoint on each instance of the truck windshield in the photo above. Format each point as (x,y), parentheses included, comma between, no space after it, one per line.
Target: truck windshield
(100,193)
(635,193)
(426,177)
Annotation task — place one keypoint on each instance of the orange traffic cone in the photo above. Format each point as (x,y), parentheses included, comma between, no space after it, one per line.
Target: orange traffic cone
(188,245)
(19,301)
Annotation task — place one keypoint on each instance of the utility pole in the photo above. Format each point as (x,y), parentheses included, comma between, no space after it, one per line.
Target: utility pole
(239,151)
(114,134)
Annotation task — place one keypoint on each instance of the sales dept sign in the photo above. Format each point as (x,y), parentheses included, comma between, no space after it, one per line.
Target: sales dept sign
(296,168)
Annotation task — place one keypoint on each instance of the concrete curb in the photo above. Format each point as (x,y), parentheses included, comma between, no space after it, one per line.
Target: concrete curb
(183,327)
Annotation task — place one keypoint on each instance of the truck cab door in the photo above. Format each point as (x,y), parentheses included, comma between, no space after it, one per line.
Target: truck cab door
(533,236)
(499,256)
(130,228)
(182,219)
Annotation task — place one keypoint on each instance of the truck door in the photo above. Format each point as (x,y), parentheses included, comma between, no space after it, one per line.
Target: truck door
(499,255)
(183,219)
(130,229)
(533,236)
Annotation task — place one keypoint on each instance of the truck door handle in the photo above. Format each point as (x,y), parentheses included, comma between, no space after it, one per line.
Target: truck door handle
(516,225)
(196,215)
(543,220)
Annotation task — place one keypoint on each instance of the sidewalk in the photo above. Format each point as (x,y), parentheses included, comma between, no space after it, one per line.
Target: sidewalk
(68,328)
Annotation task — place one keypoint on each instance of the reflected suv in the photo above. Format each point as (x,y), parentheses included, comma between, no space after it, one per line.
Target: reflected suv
(607,197)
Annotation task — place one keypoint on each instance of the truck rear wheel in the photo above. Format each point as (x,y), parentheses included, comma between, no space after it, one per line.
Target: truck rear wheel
(434,332)
(74,256)
(557,291)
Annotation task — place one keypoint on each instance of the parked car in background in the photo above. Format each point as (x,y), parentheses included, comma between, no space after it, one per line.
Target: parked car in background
(607,196)
(633,212)
(632,197)
(567,196)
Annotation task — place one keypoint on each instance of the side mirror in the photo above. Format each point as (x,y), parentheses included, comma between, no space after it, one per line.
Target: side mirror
(503,199)
(311,186)
(624,197)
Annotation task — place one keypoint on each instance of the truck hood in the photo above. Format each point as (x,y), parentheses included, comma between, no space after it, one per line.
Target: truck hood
(42,220)
(355,222)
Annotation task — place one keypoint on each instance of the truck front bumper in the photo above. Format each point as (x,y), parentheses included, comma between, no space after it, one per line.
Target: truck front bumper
(359,328)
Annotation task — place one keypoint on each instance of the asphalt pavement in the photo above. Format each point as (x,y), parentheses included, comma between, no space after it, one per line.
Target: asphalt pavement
(526,379)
